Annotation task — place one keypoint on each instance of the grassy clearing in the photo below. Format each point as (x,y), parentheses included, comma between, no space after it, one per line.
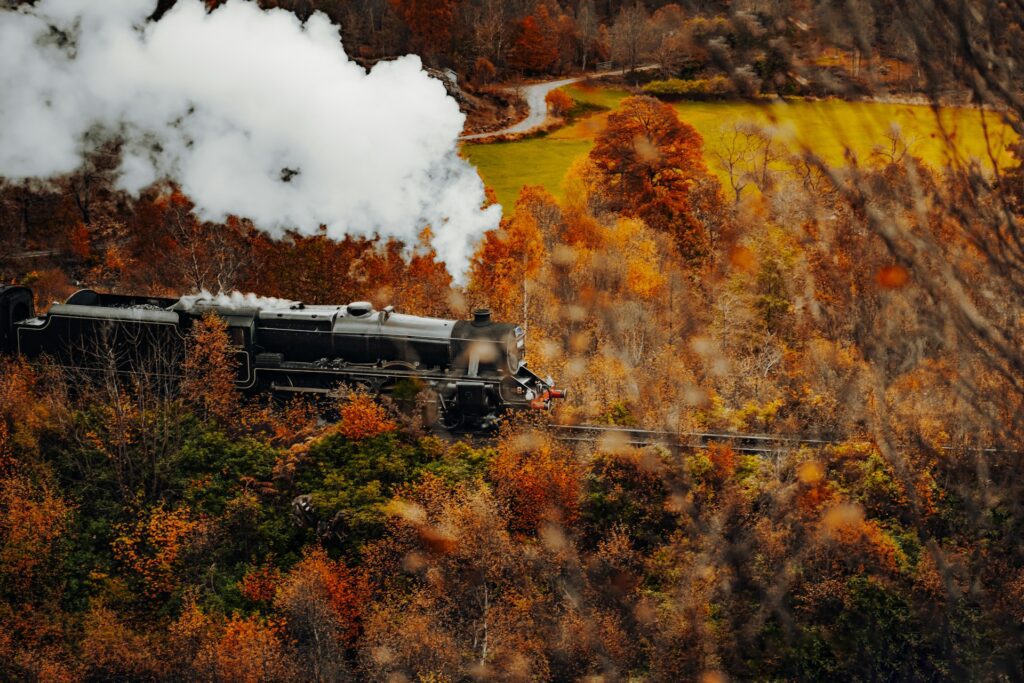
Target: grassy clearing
(828,127)
(507,166)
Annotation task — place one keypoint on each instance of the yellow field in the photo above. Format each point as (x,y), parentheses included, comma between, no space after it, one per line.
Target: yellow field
(828,127)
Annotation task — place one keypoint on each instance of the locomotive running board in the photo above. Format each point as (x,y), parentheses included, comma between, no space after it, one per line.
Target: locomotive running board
(274,386)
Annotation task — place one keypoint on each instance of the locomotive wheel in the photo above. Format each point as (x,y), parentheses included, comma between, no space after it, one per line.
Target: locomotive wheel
(451,420)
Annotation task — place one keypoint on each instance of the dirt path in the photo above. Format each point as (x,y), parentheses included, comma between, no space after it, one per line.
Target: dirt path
(538,108)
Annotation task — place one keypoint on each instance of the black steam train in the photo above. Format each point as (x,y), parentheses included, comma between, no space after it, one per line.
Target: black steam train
(474,370)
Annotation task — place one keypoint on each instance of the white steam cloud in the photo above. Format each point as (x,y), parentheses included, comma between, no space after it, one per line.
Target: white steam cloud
(252,112)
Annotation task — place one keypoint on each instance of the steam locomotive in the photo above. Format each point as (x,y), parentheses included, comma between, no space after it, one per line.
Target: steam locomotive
(474,371)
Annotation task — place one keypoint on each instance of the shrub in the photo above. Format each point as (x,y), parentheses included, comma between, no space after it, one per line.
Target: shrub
(363,418)
(484,71)
(559,102)
(698,88)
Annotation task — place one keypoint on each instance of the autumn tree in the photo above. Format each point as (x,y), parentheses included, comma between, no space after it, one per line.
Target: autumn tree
(423,285)
(747,154)
(559,102)
(154,546)
(430,23)
(111,648)
(171,249)
(361,417)
(252,649)
(490,30)
(536,481)
(506,260)
(649,164)
(589,33)
(208,380)
(460,598)
(629,37)
(322,601)
(484,71)
(33,517)
(535,48)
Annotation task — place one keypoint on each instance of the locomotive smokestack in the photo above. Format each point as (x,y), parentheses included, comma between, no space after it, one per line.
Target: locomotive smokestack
(481,317)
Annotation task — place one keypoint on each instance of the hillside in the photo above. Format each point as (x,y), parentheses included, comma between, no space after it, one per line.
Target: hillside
(771,420)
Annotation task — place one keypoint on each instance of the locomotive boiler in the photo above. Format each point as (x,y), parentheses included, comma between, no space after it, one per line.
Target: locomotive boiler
(474,371)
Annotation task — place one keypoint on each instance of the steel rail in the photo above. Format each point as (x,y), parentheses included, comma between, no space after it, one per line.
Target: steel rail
(738,441)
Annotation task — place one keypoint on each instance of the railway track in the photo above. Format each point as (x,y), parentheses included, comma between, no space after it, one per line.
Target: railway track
(761,444)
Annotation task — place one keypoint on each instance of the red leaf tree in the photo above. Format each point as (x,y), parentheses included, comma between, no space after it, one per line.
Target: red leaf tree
(650,165)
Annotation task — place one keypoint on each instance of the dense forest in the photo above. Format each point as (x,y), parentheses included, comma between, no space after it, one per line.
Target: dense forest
(150,532)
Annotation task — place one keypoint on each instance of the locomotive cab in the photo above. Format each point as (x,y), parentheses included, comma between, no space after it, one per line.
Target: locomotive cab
(15,306)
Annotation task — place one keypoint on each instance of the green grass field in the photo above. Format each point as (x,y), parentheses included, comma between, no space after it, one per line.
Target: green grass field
(828,127)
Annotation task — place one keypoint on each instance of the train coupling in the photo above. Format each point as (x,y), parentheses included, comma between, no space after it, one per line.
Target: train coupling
(543,402)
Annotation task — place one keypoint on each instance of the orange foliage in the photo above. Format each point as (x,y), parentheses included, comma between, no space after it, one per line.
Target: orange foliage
(863,539)
(643,258)
(112,650)
(281,425)
(484,71)
(723,460)
(251,650)
(559,102)
(892,277)
(209,370)
(48,286)
(346,591)
(813,496)
(260,584)
(507,258)
(536,481)
(6,450)
(363,418)
(32,519)
(78,238)
(426,281)
(153,547)
(316,269)
(190,633)
(648,162)
(535,48)
(429,21)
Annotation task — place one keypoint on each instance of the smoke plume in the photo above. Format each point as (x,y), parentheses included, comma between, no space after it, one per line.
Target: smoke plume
(252,112)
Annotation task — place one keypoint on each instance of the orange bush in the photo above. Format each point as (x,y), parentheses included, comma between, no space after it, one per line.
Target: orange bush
(346,592)
(251,650)
(484,71)
(79,240)
(22,406)
(559,102)
(260,584)
(723,460)
(32,519)
(6,450)
(536,482)
(153,546)
(363,418)
(112,650)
